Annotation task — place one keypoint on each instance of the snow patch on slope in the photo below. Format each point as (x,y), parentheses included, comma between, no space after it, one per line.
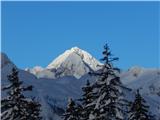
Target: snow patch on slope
(35,70)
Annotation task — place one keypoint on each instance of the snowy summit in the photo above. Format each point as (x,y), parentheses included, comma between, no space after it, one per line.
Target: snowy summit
(74,55)
(67,63)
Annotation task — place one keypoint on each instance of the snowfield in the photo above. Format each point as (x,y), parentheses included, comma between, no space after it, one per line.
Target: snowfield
(61,79)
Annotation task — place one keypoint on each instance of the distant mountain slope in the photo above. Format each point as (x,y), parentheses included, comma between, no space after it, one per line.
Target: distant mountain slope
(4,60)
(73,62)
(147,80)
(51,93)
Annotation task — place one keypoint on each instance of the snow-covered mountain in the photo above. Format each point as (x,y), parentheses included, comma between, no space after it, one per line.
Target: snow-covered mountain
(147,80)
(67,63)
(53,93)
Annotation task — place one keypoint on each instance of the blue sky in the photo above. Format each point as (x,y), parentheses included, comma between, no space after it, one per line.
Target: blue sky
(34,33)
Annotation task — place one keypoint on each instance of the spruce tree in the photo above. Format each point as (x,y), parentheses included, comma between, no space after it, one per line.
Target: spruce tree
(16,106)
(108,103)
(86,99)
(138,109)
(34,109)
(73,111)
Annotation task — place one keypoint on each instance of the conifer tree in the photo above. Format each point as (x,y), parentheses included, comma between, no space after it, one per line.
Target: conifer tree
(108,103)
(16,106)
(73,111)
(86,99)
(33,110)
(138,109)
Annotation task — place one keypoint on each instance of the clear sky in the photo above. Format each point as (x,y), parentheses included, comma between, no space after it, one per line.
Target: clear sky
(34,33)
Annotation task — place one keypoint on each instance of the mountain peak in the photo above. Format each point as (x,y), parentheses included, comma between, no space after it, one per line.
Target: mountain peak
(68,62)
(75,48)
(78,51)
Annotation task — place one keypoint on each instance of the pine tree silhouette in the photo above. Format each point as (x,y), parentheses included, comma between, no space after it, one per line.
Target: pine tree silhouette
(138,109)
(33,110)
(86,100)
(16,106)
(73,111)
(108,102)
